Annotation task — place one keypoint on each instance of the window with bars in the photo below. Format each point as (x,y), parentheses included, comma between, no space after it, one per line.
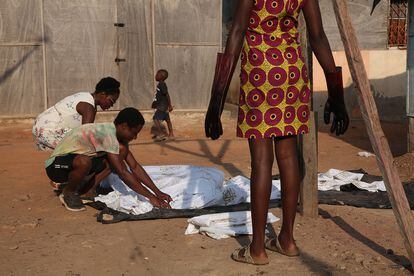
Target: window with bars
(397,23)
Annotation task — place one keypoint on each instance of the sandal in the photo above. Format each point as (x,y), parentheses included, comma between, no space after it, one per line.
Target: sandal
(278,248)
(245,257)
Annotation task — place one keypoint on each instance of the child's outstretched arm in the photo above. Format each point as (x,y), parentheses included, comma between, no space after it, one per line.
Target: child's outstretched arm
(130,180)
(142,176)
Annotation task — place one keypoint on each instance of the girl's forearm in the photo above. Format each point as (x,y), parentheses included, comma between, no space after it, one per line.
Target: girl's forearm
(323,53)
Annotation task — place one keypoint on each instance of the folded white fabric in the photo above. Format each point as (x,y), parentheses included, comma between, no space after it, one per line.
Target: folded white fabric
(224,225)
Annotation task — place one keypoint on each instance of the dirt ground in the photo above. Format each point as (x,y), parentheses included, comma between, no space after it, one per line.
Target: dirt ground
(39,237)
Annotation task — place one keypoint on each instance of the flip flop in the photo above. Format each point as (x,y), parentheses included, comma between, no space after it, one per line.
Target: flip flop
(278,248)
(245,257)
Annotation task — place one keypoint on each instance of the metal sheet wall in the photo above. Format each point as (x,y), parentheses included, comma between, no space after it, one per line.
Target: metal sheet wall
(21,58)
(67,46)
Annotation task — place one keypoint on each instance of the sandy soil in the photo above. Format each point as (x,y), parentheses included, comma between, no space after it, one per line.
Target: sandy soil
(39,237)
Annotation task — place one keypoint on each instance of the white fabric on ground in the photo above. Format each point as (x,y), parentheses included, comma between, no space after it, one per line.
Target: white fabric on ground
(224,225)
(193,187)
(333,179)
(190,187)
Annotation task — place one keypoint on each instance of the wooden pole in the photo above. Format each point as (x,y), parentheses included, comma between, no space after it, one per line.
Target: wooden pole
(410,76)
(308,144)
(378,140)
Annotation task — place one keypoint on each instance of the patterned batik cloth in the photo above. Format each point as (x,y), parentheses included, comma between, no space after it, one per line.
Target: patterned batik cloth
(52,124)
(274,95)
(88,139)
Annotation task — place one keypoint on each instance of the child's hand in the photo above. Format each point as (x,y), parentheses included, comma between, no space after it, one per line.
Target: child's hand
(170,108)
(164,196)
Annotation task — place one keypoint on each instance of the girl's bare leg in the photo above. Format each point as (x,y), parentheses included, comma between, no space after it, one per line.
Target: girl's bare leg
(287,161)
(261,152)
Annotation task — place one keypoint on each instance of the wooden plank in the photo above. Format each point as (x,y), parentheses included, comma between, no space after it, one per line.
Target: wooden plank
(20,21)
(371,30)
(309,187)
(82,45)
(21,80)
(378,140)
(308,144)
(410,138)
(187,21)
(188,82)
(135,45)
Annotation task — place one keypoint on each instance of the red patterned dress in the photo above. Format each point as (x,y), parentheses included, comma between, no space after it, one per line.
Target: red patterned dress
(274,95)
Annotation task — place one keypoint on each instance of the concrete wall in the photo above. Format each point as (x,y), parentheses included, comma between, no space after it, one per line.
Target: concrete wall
(386,70)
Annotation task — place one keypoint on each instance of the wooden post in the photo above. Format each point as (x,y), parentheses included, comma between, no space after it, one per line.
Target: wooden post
(308,144)
(378,140)
(410,76)
(309,166)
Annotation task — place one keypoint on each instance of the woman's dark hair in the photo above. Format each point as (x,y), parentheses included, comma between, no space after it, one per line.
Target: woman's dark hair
(108,85)
(131,116)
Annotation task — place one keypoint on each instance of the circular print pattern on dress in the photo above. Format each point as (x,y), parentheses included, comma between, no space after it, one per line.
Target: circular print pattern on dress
(257,77)
(305,74)
(289,130)
(290,55)
(305,94)
(239,132)
(272,40)
(242,97)
(292,6)
(275,6)
(300,54)
(287,37)
(294,75)
(243,76)
(254,117)
(254,20)
(256,57)
(269,24)
(255,98)
(303,113)
(303,129)
(292,95)
(275,96)
(277,76)
(273,132)
(258,5)
(274,56)
(286,24)
(241,116)
(289,115)
(253,134)
(243,57)
(273,116)
(253,39)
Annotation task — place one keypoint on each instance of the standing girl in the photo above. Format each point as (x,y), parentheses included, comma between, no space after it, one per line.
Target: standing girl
(274,105)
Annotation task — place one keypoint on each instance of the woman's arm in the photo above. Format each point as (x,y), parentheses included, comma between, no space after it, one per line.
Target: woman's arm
(225,65)
(130,180)
(87,111)
(320,46)
(317,37)
(142,176)
(239,26)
